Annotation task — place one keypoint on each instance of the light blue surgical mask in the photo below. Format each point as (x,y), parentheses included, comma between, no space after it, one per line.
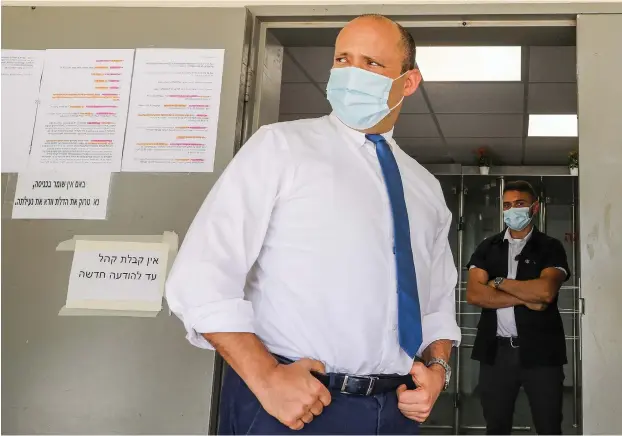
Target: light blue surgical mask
(359,97)
(517,218)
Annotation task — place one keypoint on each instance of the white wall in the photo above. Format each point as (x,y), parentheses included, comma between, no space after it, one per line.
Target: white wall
(109,375)
(599,67)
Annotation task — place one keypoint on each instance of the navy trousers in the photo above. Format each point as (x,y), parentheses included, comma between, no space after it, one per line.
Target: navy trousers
(241,413)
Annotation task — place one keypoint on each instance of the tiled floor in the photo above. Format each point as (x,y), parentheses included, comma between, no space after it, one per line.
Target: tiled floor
(471,415)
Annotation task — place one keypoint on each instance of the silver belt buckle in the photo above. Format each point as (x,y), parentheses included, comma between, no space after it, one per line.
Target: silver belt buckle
(372,382)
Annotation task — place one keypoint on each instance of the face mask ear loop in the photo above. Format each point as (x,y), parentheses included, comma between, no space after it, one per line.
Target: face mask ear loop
(531,212)
(402,99)
(398,103)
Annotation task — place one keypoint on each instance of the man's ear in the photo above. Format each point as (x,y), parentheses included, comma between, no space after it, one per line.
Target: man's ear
(411,82)
(535,208)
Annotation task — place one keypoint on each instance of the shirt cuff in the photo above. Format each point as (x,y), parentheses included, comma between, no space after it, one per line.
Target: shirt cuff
(228,316)
(438,326)
(476,263)
(564,270)
(198,340)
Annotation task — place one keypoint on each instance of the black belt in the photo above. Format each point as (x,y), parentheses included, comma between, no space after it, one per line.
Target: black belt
(364,385)
(505,341)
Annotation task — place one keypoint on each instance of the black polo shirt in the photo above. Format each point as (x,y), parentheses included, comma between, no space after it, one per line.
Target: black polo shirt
(541,333)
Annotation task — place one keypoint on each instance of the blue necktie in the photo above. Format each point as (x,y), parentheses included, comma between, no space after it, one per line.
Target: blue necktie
(408,311)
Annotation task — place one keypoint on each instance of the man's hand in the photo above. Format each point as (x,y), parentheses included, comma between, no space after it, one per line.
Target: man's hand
(417,404)
(536,306)
(292,394)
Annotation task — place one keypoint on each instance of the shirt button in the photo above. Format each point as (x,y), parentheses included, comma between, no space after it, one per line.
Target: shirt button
(394,327)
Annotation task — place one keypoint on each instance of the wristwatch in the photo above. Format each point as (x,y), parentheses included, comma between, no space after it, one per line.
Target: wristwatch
(446,367)
(498,282)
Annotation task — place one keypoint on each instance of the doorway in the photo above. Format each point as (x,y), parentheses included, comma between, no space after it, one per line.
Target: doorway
(475,202)
(443,126)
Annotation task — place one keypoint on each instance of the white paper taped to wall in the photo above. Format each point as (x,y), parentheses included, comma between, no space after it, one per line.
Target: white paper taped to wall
(169,239)
(173,115)
(83,106)
(21,78)
(52,195)
(120,276)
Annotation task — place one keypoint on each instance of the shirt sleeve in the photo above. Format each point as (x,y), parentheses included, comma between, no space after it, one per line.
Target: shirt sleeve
(557,258)
(439,318)
(478,258)
(205,288)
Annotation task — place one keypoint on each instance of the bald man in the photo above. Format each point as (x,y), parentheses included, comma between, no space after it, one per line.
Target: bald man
(319,265)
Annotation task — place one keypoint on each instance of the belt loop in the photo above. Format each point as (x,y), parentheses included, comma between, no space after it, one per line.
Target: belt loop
(331,380)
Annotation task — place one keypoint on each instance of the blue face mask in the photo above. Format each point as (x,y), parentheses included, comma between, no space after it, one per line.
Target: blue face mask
(517,218)
(359,97)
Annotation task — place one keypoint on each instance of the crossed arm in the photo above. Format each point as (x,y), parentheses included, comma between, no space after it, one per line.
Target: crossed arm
(540,290)
(536,294)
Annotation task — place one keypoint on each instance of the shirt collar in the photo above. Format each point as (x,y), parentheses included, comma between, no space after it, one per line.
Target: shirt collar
(359,137)
(509,237)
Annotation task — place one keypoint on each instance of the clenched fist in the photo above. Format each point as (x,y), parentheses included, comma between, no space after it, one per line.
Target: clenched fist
(291,394)
(416,404)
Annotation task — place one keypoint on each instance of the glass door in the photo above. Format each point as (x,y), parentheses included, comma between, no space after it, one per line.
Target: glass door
(475,203)
(481,219)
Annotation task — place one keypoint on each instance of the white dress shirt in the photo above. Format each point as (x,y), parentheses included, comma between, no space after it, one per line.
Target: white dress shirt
(506,323)
(295,244)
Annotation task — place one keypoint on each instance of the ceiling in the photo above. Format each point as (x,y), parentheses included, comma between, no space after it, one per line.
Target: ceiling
(446,122)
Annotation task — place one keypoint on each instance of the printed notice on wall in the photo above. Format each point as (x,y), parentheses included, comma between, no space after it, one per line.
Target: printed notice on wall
(83,109)
(173,115)
(115,275)
(21,77)
(52,195)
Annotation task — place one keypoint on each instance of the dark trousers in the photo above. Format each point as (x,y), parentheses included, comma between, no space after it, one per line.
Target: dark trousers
(500,383)
(241,413)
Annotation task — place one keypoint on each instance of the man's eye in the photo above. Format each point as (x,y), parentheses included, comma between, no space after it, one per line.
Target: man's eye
(374,64)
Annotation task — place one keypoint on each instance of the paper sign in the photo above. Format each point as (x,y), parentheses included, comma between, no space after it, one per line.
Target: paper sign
(173,115)
(82,112)
(21,77)
(111,275)
(51,195)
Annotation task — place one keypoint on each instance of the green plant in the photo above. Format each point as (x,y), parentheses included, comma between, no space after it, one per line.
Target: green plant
(573,159)
(483,160)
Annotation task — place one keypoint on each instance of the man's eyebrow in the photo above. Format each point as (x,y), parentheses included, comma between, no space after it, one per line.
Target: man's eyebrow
(373,59)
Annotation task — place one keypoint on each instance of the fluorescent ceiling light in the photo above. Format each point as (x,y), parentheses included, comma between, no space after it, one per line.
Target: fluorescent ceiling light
(553,125)
(470,64)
